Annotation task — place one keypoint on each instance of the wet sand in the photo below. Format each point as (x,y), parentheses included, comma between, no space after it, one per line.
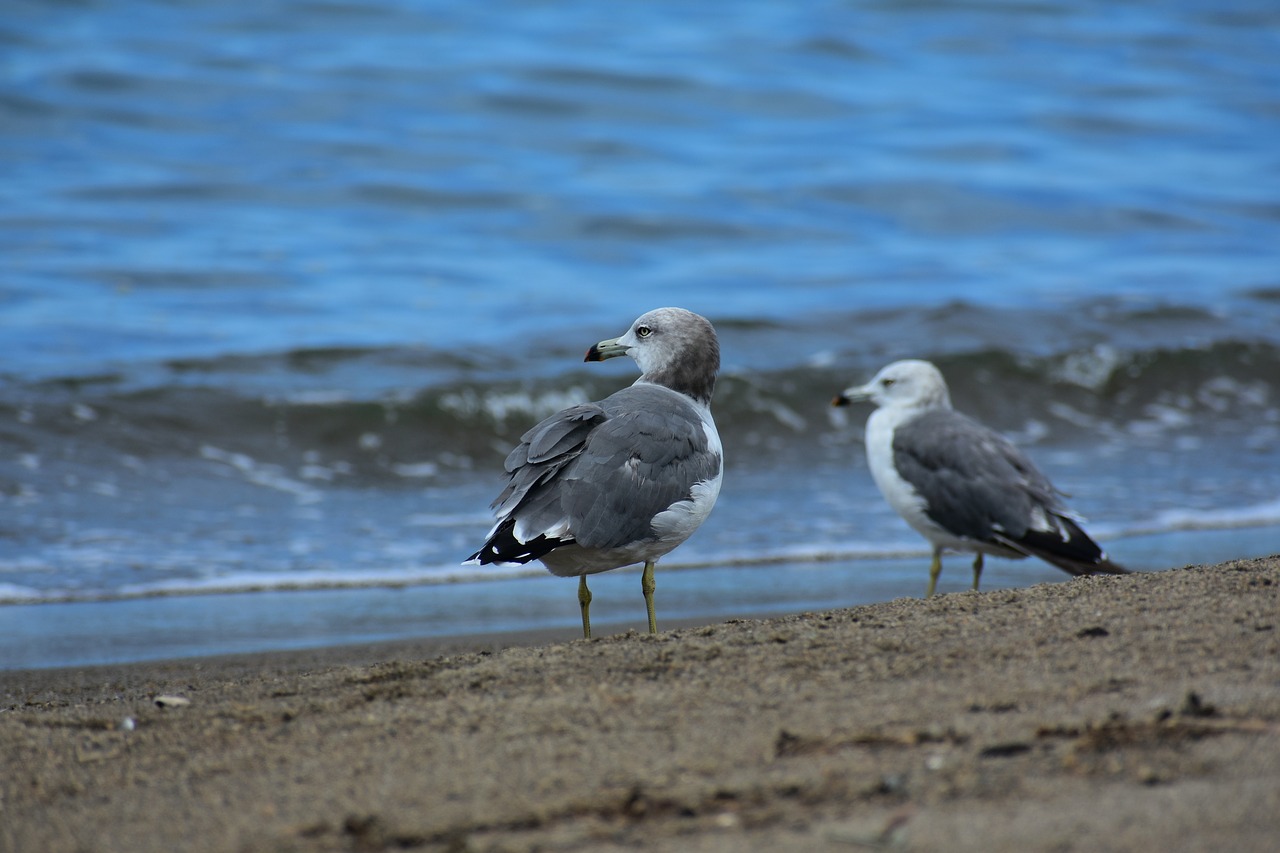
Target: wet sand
(1110,713)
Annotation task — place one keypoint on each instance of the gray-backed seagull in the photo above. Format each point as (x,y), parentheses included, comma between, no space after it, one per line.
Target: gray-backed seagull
(961,485)
(625,480)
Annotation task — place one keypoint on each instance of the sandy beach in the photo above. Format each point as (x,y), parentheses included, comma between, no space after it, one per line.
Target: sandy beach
(1109,713)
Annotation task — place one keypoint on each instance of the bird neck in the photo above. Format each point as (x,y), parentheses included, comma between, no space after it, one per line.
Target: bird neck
(695,387)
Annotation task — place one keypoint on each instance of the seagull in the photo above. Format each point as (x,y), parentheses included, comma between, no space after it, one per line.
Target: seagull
(625,480)
(961,485)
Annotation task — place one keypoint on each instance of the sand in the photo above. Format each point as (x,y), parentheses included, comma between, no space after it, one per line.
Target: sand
(1109,713)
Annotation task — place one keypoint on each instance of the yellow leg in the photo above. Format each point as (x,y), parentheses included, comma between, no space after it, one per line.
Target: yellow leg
(935,569)
(647,586)
(584,601)
(977,570)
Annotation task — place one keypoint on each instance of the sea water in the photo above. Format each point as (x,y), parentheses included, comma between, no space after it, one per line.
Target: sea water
(283,283)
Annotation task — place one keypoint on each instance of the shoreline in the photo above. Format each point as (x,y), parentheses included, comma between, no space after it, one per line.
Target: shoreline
(1131,712)
(85,633)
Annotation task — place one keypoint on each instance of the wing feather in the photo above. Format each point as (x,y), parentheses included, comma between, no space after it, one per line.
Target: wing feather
(598,473)
(977,485)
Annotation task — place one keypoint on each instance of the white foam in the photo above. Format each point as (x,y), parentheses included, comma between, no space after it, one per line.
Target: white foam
(291,580)
(14,594)
(816,553)
(317,398)
(267,476)
(84,413)
(500,405)
(1031,433)
(823,358)
(1219,393)
(416,470)
(1179,520)
(1071,415)
(94,548)
(1091,369)
(1256,515)
(783,414)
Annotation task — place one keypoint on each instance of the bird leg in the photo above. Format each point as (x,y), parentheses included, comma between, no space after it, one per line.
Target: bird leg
(977,570)
(584,601)
(647,586)
(935,569)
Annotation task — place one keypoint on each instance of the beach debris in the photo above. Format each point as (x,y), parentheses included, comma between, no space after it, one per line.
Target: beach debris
(789,744)
(1004,750)
(1149,776)
(98,747)
(1194,706)
(892,835)
(168,700)
(128,724)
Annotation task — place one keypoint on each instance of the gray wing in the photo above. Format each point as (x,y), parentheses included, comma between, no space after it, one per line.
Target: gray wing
(648,455)
(533,494)
(975,483)
(598,473)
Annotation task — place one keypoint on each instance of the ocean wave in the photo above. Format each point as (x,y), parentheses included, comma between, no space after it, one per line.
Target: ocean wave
(297,442)
(1260,515)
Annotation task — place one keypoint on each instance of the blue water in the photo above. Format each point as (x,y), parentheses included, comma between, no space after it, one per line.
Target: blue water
(282,282)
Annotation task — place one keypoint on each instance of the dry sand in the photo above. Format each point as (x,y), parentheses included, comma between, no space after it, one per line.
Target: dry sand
(1110,713)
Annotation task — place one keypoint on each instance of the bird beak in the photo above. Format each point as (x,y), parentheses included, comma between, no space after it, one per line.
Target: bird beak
(852,394)
(605,349)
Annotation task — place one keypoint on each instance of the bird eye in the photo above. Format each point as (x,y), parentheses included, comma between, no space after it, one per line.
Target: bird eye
(643,331)
(886,382)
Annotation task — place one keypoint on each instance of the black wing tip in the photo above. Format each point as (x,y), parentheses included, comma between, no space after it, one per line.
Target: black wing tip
(1106,567)
(1077,554)
(503,547)
(1070,564)
(1080,568)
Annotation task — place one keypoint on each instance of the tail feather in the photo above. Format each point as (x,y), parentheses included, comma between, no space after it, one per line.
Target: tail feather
(1072,550)
(502,546)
